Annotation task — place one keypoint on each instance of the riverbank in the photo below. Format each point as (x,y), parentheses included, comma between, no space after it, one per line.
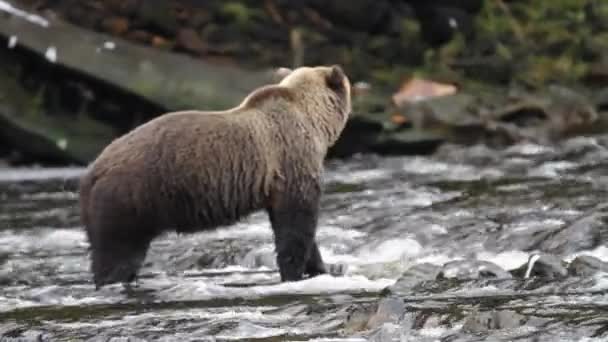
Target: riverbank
(498,73)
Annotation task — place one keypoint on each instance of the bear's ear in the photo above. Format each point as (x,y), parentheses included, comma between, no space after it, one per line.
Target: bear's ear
(335,78)
(280,73)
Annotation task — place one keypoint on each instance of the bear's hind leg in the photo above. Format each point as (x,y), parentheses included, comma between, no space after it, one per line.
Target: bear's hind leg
(118,237)
(117,261)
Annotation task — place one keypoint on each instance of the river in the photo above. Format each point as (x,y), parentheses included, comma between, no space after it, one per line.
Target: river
(469,244)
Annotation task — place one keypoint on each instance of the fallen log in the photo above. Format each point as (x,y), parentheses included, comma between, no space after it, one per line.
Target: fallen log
(120,86)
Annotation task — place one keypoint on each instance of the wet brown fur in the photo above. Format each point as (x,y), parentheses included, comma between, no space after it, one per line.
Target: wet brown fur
(190,171)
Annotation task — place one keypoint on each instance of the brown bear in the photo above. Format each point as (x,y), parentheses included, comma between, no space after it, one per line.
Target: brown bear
(190,171)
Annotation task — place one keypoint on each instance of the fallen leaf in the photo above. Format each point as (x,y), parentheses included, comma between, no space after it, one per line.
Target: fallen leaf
(398,119)
(418,89)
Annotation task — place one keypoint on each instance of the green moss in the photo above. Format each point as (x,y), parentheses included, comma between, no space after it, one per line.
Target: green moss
(241,14)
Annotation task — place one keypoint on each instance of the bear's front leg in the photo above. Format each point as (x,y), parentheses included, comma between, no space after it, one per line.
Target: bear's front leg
(293,217)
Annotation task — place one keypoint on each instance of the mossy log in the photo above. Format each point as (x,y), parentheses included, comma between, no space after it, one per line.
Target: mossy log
(171,80)
(119,85)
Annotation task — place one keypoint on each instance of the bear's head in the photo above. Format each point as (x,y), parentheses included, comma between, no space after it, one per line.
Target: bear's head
(325,94)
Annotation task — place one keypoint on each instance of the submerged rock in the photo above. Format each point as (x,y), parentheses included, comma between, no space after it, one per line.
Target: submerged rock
(586,265)
(483,322)
(542,265)
(413,276)
(370,316)
(357,317)
(585,233)
(472,269)
(385,333)
(390,310)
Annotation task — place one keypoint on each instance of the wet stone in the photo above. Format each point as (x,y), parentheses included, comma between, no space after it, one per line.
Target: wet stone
(19,335)
(586,265)
(115,339)
(4,256)
(386,332)
(542,265)
(337,269)
(260,257)
(389,311)
(472,269)
(357,317)
(483,322)
(579,146)
(585,233)
(413,276)
(190,40)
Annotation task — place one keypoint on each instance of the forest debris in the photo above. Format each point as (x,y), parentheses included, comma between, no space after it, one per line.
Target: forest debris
(190,40)
(399,119)
(115,25)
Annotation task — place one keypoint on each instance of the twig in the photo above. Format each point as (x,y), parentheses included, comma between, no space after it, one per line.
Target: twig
(297,47)
(517,30)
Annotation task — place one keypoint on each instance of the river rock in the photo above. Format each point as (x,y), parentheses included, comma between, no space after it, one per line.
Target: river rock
(385,333)
(106,338)
(337,269)
(413,276)
(541,265)
(455,110)
(586,233)
(586,265)
(260,257)
(190,40)
(115,25)
(483,322)
(358,315)
(4,256)
(13,332)
(389,310)
(472,269)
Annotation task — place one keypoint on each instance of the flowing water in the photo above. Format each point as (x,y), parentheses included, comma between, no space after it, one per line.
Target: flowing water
(470,244)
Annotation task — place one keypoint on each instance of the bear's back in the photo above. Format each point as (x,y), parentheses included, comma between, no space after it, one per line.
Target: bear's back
(186,161)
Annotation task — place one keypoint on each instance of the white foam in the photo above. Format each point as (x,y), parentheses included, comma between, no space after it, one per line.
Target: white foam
(600,252)
(323,284)
(51,54)
(528,149)
(391,250)
(56,295)
(47,239)
(551,169)
(536,225)
(508,260)
(437,259)
(426,166)
(50,195)
(241,230)
(36,19)
(531,263)
(357,176)
(433,332)
(29,174)
(227,269)
(335,231)
(250,330)
(109,45)
(388,251)
(12,42)
(9,304)
(330,339)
